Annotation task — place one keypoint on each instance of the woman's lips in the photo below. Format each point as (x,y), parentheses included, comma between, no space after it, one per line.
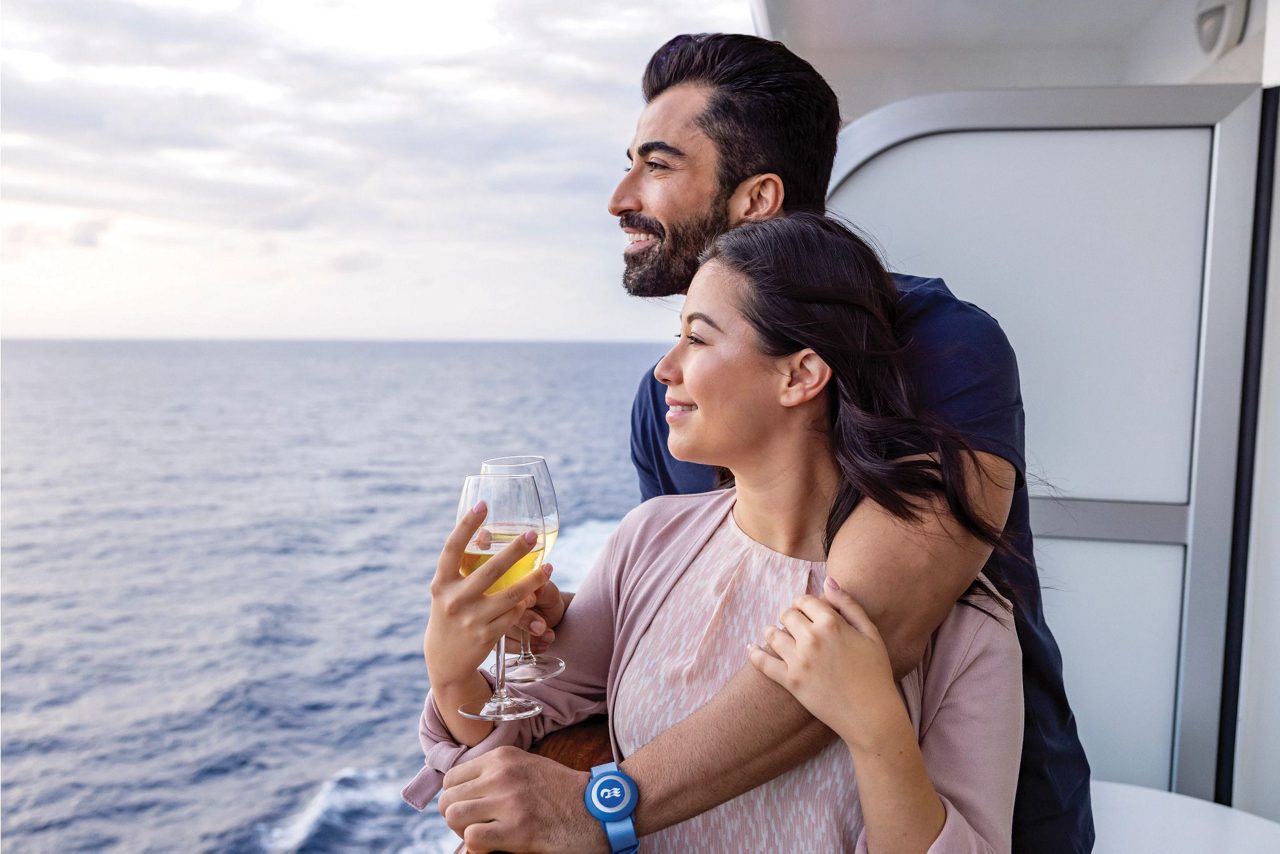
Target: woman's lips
(677,411)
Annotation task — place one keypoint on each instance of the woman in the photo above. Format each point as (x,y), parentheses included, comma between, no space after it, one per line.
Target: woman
(789,375)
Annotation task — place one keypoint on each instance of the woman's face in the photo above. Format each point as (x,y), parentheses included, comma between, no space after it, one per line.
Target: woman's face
(722,392)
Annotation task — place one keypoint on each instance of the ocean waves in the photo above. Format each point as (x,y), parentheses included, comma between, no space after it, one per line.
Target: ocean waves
(216,562)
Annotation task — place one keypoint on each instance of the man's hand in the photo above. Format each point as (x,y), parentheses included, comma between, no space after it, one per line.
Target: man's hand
(540,620)
(510,800)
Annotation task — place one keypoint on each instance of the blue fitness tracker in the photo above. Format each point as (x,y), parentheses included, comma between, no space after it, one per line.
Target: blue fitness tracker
(611,797)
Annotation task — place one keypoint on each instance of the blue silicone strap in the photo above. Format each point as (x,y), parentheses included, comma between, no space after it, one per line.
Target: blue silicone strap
(621,832)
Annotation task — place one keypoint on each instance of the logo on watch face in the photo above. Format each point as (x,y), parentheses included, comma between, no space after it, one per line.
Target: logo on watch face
(610,794)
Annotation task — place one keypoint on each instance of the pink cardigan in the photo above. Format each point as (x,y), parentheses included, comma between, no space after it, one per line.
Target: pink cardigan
(965,698)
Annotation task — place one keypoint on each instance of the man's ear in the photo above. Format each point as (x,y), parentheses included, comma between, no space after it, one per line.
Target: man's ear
(757,198)
(806,374)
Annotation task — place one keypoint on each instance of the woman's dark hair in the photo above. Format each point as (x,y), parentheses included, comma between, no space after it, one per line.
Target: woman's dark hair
(770,111)
(813,283)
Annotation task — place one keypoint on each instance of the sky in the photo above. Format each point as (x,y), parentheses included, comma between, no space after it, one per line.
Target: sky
(323,169)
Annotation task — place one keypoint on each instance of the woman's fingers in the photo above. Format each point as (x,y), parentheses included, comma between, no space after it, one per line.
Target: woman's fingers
(491,570)
(795,622)
(451,555)
(508,605)
(817,611)
(848,607)
(780,641)
(767,664)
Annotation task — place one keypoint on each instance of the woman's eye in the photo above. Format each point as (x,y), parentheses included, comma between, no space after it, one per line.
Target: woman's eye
(693,339)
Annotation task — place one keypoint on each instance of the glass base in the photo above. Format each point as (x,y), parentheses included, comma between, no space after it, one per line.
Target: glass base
(535,668)
(500,709)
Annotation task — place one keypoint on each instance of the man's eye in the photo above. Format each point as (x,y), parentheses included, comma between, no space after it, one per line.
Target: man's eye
(655,165)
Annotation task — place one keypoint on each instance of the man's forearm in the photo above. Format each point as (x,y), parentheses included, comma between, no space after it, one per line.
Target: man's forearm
(751,731)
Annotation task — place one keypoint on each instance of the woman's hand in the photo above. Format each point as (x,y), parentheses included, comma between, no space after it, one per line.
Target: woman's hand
(830,657)
(465,623)
(541,618)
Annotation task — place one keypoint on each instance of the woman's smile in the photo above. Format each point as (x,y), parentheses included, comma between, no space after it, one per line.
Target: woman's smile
(677,410)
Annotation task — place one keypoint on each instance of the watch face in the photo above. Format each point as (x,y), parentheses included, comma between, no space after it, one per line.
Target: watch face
(612,796)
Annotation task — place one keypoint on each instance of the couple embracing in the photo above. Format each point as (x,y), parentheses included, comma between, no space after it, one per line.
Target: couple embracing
(841,647)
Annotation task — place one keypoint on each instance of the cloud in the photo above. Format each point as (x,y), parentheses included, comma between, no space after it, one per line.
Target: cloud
(87,232)
(324,129)
(355,262)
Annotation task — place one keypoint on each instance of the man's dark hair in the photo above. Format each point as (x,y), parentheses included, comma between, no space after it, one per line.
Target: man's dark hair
(770,111)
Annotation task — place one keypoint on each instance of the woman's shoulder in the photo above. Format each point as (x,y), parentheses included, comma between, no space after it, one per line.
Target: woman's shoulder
(663,510)
(649,529)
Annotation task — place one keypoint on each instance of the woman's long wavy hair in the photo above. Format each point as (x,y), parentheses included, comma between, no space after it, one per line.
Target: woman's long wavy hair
(814,283)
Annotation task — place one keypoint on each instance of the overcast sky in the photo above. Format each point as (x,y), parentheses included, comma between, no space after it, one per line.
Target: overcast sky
(323,168)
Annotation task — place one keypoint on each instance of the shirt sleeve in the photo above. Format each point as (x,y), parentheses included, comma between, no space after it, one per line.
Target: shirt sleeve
(659,472)
(644,451)
(973,745)
(965,373)
(584,639)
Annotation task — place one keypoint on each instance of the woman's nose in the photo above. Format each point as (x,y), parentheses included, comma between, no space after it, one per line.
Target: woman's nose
(667,371)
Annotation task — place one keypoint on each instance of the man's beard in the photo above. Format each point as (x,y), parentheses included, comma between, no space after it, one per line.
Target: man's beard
(668,268)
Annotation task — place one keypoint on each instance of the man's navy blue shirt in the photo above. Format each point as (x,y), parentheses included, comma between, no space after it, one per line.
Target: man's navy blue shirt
(965,373)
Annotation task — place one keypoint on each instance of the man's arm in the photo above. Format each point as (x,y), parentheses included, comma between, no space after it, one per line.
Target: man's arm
(907,576)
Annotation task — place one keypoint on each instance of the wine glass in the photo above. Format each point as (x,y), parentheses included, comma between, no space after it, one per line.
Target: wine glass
(513,510)
(528,667)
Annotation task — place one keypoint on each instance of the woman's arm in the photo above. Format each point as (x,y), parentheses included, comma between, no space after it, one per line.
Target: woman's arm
(971,727)
(466,621)
(585,643)
(829,655)
(901,809)
(832,659)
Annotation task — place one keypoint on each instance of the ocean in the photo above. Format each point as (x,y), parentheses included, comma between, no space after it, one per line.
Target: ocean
(215,569)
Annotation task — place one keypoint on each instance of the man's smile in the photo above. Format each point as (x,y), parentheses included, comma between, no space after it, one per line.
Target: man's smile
(638,241)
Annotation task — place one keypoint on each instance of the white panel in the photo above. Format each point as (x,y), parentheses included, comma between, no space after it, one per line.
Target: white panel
(1088,247)
(1115,609)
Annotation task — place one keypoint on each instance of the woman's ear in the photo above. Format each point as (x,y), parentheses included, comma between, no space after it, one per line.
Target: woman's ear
(757,198)
(806,376)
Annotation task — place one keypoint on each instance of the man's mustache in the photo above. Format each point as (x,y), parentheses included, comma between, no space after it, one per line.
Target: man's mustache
(642,223)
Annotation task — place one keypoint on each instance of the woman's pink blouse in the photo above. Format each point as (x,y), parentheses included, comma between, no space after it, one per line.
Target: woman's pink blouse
(649,642)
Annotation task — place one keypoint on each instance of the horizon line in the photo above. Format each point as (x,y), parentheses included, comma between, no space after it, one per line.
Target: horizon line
(231,340)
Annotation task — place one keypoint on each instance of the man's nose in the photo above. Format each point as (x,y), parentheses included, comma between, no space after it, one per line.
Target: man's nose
(624,198)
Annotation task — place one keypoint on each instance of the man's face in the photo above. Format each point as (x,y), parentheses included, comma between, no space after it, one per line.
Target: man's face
(669,204)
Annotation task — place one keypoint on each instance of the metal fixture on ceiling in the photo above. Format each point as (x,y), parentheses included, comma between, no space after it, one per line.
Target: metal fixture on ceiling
(1220,24)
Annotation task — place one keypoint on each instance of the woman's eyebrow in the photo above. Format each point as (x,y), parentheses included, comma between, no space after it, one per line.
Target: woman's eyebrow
(697,315)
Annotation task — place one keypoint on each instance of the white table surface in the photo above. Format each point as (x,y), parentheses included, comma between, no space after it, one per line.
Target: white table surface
(1136,820)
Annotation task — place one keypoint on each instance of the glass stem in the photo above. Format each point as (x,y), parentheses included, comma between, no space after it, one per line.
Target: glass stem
(526,648)
(500,689)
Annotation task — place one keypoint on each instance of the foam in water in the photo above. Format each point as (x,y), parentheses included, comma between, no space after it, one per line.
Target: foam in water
(577,550)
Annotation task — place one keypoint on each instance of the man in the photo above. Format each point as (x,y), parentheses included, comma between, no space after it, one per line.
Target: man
(735,129)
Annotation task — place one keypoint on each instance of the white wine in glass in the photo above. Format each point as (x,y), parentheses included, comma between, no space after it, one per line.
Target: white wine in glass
(513,510)
(527,667)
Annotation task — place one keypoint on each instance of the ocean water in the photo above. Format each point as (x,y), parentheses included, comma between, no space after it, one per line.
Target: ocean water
(216,559)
